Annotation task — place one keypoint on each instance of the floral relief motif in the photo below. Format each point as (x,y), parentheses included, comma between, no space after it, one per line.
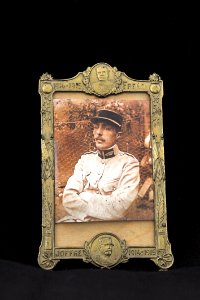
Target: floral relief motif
(46,111)
(156,109)
(47,166)
(46,261)
(154,77)
(47,208)
(86,79)
(165,259)
(46,76)
(124,251)
(87,257)
(118,82)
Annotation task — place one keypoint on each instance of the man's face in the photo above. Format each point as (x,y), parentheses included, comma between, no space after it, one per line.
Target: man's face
(106,248)
(105,135)
(102,73)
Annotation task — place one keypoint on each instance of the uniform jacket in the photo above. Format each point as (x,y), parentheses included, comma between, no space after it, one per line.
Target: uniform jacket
(101,188)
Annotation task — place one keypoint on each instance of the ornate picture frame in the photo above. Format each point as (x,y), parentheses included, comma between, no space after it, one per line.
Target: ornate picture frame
(140,229)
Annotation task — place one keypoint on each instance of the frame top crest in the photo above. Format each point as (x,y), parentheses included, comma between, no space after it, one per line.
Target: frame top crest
(101,80)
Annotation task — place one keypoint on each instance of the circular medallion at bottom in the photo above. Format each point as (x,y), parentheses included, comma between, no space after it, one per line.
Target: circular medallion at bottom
(105,250)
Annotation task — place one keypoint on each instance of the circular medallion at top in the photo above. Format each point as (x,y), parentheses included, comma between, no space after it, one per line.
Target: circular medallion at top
(102,79)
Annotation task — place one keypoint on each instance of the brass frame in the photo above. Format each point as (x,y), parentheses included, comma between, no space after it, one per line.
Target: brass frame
(83,82)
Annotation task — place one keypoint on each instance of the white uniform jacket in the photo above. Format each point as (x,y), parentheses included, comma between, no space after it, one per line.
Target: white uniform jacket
(101,189)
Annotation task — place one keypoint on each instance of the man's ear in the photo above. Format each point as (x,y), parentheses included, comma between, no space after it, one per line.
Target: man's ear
(118,134)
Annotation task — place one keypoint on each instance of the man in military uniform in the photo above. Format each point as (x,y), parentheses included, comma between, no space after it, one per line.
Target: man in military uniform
(105,182)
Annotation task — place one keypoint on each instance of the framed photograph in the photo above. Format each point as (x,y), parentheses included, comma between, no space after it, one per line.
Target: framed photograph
(103,170)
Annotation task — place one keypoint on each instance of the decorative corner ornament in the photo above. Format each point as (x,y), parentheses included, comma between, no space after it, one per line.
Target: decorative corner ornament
(46,76)
(155,86)
(154,77)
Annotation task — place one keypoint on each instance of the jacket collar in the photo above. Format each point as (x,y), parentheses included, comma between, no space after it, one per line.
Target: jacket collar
(108,153)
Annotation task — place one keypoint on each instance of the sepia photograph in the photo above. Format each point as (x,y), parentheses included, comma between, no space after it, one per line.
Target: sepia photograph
(103,159)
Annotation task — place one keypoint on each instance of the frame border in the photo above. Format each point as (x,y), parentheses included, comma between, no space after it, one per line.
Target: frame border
(48,255)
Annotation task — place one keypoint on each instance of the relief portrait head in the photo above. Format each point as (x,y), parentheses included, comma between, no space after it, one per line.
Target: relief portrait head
(102,79)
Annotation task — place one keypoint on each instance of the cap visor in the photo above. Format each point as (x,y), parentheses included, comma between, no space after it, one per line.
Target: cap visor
(96,119)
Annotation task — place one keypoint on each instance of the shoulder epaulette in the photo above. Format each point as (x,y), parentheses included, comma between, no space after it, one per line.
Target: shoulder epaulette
(129,154)
(90,152)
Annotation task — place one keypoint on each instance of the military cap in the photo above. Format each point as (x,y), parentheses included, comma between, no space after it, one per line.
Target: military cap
(108,115)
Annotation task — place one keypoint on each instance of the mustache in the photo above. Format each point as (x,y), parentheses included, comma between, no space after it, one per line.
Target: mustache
(99,139)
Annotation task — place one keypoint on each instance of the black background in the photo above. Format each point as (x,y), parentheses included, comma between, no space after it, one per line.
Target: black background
(138,39)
